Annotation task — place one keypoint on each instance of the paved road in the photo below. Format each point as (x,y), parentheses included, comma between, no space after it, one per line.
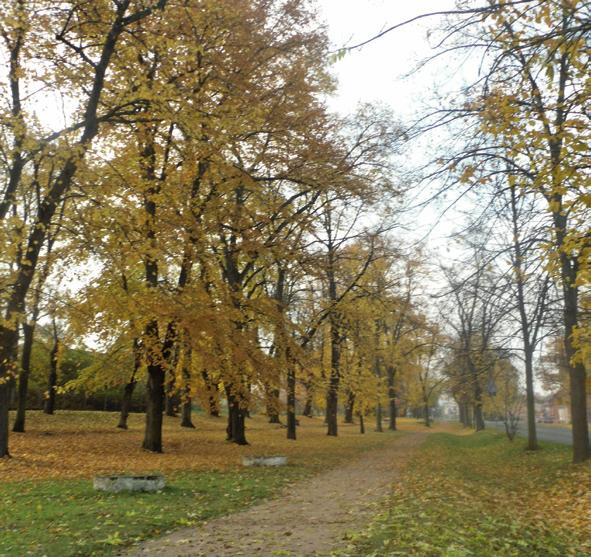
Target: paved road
(554,434)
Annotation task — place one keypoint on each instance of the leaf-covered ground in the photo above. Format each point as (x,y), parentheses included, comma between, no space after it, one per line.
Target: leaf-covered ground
(310,518)
(481,496)
(48,507)
(83,444)
(463,495)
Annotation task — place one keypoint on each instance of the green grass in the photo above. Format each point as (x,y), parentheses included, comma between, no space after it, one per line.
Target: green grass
(46,509)
(481,496)
(61,518)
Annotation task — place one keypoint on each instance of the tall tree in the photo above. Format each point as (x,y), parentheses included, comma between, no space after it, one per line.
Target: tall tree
(91,48)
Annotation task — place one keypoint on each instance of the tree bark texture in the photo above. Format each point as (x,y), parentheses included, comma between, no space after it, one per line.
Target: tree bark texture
(391,373)
(332,395)
(236,430)
(291,400)
(23,378)
(154,408)
(349,405)
(126,402)
(379,424)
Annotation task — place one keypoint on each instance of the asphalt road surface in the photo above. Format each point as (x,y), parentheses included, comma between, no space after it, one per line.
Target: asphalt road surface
(555,434)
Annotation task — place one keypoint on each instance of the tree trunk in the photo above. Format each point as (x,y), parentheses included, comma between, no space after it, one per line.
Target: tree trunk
(23,379)
(273,406)
(391,399)
(247,409)
(28,339)
(49,406)
(130,387)
(527,334)
(532,439)
(153,348)
(187,404)
(155,391)
(126,402)
(169,355)
(4,403)
(332,395)
(478,417)
(154,408)
(291,400)
(236,430)
(186,420)
(577,373)
(307,412)
(578,378)
(427,414)
(462,413)
(279,353)
(477,404)
(331,411)
(349,405)
(361,423)
(378,372)
(212,398)
(469,415)
(379,426)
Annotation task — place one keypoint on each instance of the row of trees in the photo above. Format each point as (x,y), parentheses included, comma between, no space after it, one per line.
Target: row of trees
(225,235)
(519,146)
(174,189)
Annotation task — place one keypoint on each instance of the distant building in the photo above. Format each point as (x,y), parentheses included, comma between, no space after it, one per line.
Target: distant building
(447,407)
(551,409)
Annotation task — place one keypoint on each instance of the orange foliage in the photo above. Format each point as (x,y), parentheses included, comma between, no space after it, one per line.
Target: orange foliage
(567,503)
(83,444)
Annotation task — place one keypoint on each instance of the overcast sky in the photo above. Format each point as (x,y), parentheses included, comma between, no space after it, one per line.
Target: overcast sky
(376,71)
(379,72)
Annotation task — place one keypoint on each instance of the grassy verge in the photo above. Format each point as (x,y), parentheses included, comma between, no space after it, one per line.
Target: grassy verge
(481,496)
(60,518)
(49,508)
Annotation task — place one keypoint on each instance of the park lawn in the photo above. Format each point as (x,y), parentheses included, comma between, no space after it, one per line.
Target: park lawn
(74,444)
(61,518)
(482,496)
(49,508)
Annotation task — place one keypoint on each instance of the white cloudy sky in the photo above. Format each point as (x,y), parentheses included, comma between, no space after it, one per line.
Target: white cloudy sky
(382,72)
(378,72)
(375,72)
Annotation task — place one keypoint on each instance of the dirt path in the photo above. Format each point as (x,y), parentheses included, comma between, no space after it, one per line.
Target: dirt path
(311,519)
